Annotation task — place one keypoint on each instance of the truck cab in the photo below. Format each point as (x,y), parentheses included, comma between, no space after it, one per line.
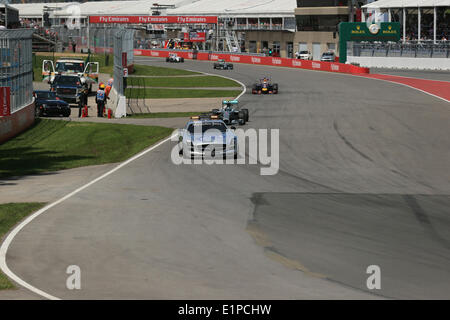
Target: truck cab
(88,72)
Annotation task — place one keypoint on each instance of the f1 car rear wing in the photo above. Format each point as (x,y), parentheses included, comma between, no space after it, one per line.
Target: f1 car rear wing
(230,102)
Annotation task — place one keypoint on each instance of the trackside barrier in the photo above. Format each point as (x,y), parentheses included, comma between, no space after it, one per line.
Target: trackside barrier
(17,122)
(258,60)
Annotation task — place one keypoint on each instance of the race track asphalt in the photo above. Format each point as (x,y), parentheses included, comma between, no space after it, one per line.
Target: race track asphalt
(364,180)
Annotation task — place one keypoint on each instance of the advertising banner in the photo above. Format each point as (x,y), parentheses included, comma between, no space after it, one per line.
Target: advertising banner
(195,36)
(268,61)
(154,19)
(364,31)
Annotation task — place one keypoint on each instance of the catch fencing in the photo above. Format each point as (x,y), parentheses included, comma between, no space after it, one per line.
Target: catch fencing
(423,49)
(16,66)
(99,38)
(123,43)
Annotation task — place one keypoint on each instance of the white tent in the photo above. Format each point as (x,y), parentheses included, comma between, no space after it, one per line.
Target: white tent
(386,4)
(238,8)
(234,8)
(35,10)
(124,8)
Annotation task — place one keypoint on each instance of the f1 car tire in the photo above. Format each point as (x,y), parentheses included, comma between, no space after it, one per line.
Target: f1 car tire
(275,88)
(182,60)
(242,117)
(245,114)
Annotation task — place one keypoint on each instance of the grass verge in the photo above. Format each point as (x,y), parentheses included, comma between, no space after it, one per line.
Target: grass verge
(201,81)
(52,145)
(10,215)
(179,93)
(163,115)
(141,70)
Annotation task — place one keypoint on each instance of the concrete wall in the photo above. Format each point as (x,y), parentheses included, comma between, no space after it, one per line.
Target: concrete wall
(402,62)
(322,37)
(117,103)
(270,36)
(307,11)
(16,123)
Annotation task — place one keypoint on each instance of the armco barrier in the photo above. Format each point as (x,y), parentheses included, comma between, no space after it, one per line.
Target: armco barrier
(17,122)
(258,60)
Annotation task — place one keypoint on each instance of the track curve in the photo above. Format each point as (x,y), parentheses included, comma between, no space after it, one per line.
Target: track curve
(364,180)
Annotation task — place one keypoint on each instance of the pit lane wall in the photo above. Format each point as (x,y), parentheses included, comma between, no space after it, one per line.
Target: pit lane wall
(12,125)
(258,60)
(440,64)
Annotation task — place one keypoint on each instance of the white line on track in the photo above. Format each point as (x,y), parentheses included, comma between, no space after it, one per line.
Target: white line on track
(337,73)
(12,234)
(219,75)
(5,245)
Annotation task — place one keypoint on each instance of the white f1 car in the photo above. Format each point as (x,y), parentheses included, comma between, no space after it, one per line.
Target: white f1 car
(173,57)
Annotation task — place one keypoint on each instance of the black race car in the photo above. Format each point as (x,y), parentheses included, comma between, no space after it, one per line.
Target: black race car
(223,65)
(265,86)
(48,104)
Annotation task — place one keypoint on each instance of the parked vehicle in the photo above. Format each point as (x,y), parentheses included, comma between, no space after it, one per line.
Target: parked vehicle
(48,104)
(328,56)
(67,88)
(88,73)
(304,55)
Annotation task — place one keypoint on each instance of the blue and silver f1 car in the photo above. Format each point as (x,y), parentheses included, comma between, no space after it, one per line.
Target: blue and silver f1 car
(230,113)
